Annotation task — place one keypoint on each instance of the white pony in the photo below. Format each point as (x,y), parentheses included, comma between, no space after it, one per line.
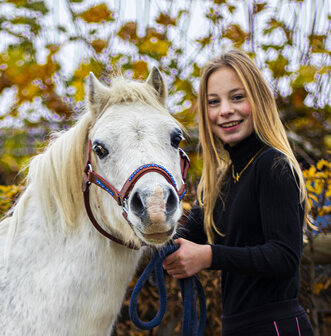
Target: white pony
(58,274)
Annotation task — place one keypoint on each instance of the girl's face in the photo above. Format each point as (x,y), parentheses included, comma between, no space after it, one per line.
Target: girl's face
(229,111)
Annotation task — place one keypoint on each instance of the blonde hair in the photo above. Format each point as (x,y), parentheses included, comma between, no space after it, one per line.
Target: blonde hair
(267,126)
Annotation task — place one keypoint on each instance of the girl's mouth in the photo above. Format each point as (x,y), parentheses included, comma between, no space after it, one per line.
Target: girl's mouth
(230,124)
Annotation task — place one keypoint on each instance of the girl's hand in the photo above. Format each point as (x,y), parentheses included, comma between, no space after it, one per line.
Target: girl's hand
(189,259)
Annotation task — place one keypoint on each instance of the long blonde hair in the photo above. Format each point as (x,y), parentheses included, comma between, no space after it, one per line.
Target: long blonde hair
(267,126)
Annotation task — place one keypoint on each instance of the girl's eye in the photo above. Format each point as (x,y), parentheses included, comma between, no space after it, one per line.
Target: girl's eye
(238,97)
(100,151)
(213,102)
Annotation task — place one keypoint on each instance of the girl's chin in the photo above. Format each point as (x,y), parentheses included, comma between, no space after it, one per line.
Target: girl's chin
(234,139)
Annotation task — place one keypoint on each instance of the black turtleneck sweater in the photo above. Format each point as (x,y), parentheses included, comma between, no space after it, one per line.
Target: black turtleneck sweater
(262,222)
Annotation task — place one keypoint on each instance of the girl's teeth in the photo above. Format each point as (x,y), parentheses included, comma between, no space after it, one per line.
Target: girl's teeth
(230,124)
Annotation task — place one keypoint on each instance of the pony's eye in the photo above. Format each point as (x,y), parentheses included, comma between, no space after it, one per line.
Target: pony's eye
(100,151)
(175,139)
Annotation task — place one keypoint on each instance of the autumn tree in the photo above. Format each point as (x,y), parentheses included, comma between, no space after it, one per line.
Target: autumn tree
(48,49)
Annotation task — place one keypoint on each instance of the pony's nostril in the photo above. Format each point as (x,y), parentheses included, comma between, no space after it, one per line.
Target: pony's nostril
(137,205)
(172,202)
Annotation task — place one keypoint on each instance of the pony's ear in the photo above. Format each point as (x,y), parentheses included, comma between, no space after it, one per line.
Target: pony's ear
(156,80)
(98,95)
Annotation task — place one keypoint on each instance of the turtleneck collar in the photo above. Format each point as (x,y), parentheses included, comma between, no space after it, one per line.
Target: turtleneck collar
(241,153)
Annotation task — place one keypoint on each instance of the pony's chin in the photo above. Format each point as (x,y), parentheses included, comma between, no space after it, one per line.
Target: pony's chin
(158,237)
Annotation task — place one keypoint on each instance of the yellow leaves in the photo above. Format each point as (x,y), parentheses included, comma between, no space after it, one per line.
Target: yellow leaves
(320,286)
(306,74)
(196,70)
(272,25)
(31,79)
(97,14)
(278,66)
(321,164)
(324,211)
(78,83)
(154,43)
(318,184)
(236,34)
(8,195)
(317,288)
(183,85)
(205,40)
(79,76)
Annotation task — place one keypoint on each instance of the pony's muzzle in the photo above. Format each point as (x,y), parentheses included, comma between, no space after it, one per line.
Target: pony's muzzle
(156,206)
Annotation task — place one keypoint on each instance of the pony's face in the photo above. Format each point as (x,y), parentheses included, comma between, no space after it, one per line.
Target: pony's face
(124,137)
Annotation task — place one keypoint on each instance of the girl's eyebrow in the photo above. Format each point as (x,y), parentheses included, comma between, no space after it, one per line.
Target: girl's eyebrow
(230,92)
(237,89)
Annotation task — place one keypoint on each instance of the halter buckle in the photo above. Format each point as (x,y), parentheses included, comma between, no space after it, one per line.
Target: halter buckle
(125,205)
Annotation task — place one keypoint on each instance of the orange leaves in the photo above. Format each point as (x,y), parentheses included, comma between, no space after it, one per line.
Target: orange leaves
(153,43)
(165,20)
(258,7)
(140,70)
(317,43)
(99,45)
(298,96)
(236,34)
(128,32)
(97,14)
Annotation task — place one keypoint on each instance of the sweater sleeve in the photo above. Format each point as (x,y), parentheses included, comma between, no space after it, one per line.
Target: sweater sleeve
(193,228)
(281,216)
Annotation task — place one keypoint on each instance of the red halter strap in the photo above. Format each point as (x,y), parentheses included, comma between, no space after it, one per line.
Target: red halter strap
(121,196)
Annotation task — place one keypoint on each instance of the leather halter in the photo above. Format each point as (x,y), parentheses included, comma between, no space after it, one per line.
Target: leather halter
(122,196)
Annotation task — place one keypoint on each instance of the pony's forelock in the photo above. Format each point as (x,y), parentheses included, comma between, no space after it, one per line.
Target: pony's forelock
(123,90)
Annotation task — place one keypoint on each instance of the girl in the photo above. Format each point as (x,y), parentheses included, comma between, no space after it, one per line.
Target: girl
(251,206)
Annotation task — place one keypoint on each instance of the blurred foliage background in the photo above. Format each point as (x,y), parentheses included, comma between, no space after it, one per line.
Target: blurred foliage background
(48,48)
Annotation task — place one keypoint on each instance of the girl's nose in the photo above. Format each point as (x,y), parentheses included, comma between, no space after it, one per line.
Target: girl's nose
(225,108)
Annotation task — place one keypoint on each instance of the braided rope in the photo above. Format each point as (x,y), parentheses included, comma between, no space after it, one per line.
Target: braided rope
(191,290)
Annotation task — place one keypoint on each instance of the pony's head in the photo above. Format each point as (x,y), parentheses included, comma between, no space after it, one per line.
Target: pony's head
(131,128)
(127,126)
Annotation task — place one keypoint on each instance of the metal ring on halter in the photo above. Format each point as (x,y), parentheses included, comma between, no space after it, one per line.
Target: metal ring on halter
(125,205)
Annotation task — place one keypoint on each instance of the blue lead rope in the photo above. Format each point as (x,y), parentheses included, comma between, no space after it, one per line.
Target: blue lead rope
(191,290)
